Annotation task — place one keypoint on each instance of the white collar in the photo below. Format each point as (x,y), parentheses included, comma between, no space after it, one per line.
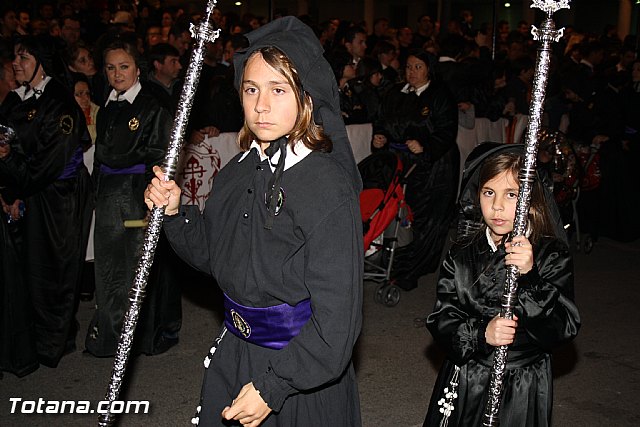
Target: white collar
(419,90)
(129,95)
(34,91)
(492,244)
(292,158)
(446,59)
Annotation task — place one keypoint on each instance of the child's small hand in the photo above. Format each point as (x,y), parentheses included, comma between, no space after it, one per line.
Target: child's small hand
(501,331)
(520,254)
(248,407)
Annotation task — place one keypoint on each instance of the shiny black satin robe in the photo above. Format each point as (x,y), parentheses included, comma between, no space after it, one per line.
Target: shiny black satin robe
(432,120)
(50,130)
(128,134)
(469,289)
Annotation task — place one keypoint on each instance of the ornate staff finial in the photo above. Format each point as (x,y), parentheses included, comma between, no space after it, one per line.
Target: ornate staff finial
(551,6)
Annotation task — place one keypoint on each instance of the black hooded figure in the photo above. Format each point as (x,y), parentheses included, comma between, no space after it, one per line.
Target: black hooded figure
(468,298)
(419,121)
(44,167)
(281,233)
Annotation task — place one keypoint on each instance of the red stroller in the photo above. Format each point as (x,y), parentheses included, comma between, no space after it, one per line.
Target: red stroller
(384,213)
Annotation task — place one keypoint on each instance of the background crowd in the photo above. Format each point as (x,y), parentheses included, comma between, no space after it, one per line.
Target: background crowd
(415,85)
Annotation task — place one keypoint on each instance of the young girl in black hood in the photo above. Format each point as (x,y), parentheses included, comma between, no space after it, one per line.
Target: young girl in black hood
(465,321)
(281,233)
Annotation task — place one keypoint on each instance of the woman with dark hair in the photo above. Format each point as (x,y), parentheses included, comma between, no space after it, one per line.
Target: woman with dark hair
(419,121)
(43,166)
(132,136)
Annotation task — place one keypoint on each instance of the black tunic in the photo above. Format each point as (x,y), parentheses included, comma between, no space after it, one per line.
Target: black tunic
(469,289)
(127,135)
(313,251)
(45,170)
(432,120)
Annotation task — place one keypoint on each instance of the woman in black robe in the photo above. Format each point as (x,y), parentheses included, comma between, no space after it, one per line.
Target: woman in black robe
(132,136)
(465,321)
(44,167)
(281,233)
(419,121)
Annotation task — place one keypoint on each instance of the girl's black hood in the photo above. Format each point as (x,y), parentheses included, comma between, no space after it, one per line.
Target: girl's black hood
(303,48)
(470,216)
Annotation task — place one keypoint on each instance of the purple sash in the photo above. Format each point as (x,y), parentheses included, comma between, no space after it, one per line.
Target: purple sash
(71,168)
(270,327)
(138,169)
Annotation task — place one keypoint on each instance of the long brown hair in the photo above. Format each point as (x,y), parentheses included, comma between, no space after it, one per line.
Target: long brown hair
(539,219)
(305,128)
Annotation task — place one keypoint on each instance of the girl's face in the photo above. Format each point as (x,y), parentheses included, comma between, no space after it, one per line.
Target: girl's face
(269,101)
(121,69)
(498,198)
(82,94)
(417,72)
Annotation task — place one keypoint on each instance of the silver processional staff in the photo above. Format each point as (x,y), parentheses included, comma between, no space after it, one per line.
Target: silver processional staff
(546,34)
(203,33)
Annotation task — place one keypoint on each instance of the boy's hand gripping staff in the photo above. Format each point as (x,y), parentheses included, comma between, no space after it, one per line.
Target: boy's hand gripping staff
(546,34)
(203,33)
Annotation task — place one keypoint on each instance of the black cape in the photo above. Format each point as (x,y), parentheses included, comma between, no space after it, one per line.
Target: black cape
(58,211)
(128,134)
(432,120)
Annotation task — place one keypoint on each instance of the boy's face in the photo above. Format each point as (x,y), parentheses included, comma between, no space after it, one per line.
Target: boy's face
(498,198)
(269,102)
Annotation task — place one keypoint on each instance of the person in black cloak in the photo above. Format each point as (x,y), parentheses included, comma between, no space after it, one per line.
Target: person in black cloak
(465,321)
(43,166)
(281,233)
(133,130)
(419,121)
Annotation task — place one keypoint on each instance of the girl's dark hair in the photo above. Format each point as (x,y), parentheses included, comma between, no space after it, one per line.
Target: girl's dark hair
(540,222)
(305,129)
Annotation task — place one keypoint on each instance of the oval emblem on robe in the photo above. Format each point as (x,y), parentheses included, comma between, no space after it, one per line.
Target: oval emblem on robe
(66,124)
(31,114)
(279,204)
(134,124)
(240,324)
(425,111)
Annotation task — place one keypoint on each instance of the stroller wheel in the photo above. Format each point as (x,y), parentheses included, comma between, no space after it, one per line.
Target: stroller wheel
(392,296)
(588,245)
(380,291)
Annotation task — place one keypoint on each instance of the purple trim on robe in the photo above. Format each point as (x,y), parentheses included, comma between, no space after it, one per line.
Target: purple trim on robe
(270,327)
(72,166)
(138,169)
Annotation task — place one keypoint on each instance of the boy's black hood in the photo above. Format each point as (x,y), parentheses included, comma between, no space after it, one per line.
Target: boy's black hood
(303,48)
